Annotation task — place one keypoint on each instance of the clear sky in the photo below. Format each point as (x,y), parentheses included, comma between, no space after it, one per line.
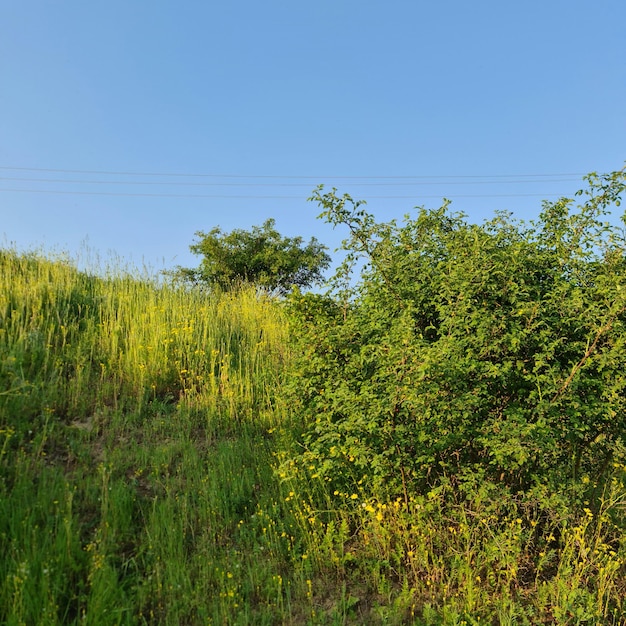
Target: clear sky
(108,108)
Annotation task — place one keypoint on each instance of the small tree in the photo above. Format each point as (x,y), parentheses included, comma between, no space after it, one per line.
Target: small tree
(261,256)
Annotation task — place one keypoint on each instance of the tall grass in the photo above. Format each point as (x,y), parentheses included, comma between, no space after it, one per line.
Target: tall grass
(149,474)
(135,468)
(79,344)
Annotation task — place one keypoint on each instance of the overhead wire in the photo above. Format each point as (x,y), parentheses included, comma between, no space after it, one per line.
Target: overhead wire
(220,184)
(282,197)
(247,181)
(286,176)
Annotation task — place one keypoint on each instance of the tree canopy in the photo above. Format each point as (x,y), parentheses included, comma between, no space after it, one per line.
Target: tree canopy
(260,256)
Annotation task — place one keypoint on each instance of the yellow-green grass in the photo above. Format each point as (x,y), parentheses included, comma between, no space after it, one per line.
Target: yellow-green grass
(135,460)
(485,558)
(149,474)
(79,345)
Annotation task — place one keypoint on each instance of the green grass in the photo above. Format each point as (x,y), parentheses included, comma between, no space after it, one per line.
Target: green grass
(145,439)
(136,465)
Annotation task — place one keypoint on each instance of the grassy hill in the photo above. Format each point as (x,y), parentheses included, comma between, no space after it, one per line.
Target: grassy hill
(147,476)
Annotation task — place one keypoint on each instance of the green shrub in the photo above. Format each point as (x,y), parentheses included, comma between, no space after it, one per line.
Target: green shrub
(468,352)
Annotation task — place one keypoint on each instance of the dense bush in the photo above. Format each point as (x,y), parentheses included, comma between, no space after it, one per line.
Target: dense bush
(468,352)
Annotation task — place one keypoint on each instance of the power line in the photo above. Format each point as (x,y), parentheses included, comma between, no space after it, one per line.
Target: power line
(274,176)
(219,184)
(260,197)
(274,182)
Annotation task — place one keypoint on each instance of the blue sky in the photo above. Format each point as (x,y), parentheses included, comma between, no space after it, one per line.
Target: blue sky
(116,104)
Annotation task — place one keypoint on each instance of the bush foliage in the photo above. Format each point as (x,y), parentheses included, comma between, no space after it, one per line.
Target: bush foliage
(468,352)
